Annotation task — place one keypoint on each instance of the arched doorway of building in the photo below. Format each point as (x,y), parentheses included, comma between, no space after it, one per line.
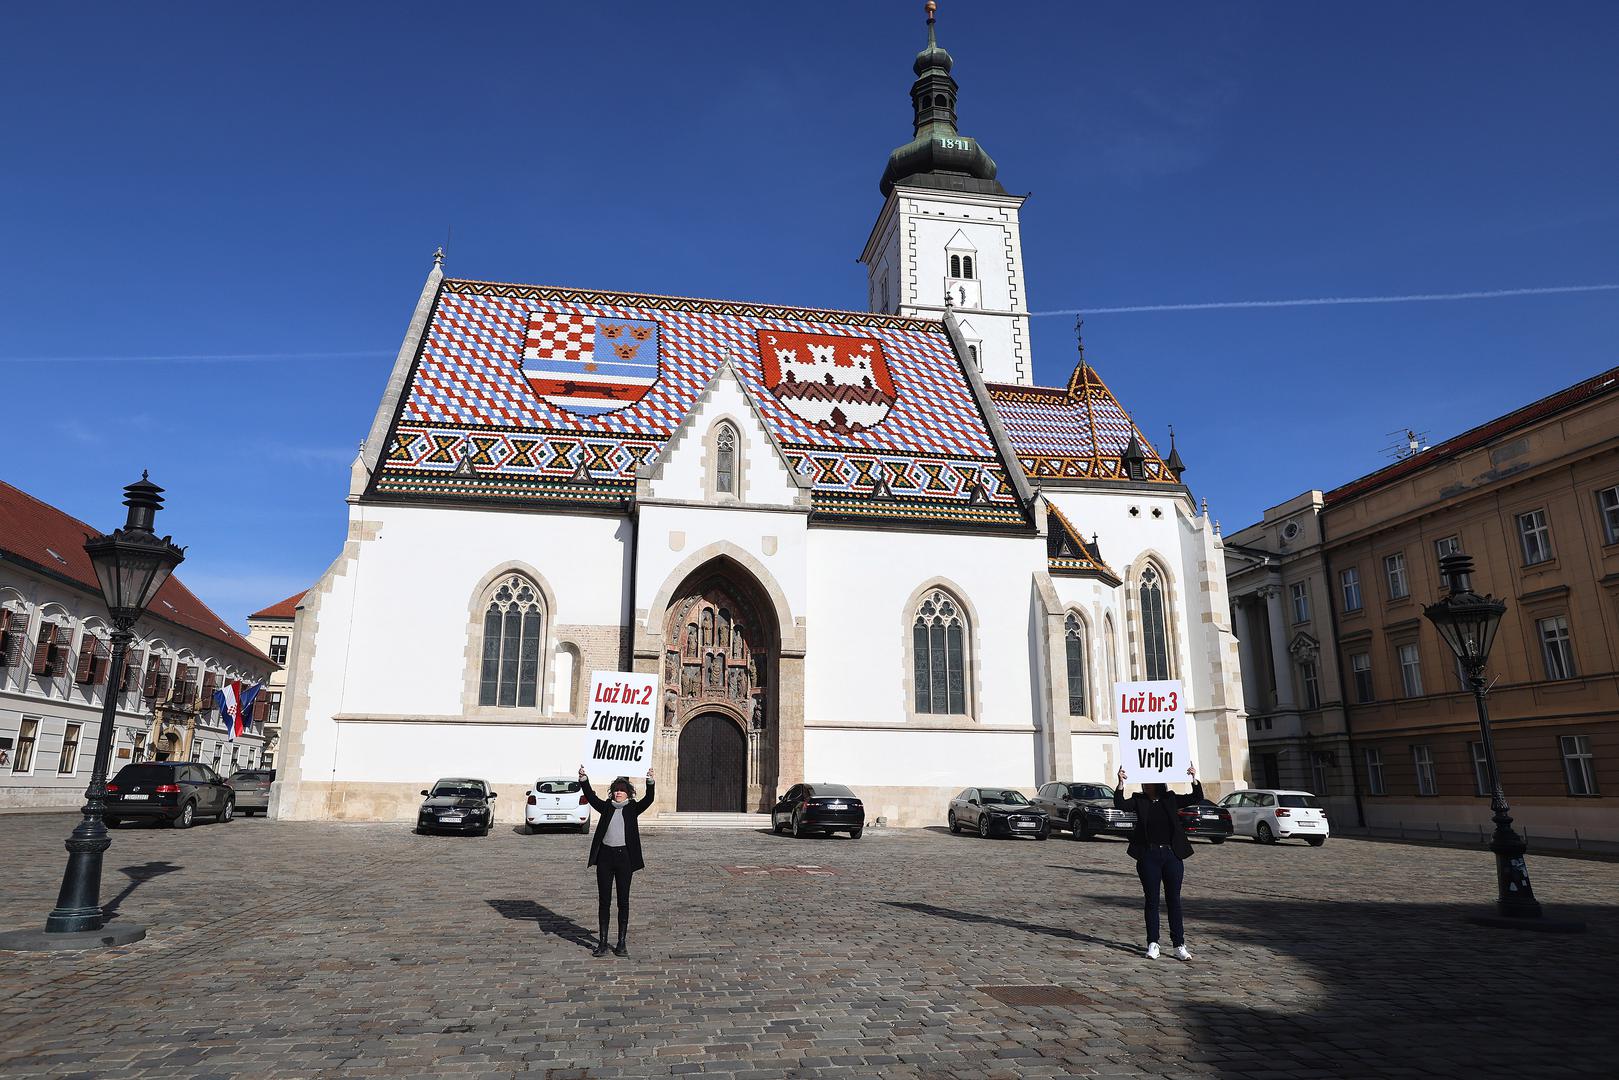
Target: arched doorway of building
(713,765)
(719,706)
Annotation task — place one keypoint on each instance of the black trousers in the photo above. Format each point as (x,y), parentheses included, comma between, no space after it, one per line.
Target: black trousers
(613,864)
(1159,866)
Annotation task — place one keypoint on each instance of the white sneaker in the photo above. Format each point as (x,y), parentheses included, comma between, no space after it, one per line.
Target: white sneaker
(1152,950)
(1181,953)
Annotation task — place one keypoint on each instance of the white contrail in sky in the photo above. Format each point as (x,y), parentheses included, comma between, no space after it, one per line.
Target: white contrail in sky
(197,358)
(1412,298)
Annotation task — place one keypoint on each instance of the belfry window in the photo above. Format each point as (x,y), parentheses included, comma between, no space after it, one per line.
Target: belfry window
(966,266)
(1154,625)
(510,674)
(955,266)
(939,645)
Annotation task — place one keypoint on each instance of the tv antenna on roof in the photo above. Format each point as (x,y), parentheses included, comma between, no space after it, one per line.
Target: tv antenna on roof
(1407,442)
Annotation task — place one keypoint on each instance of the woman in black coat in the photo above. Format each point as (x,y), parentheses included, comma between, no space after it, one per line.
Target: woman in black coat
(1159,846)
(615,852)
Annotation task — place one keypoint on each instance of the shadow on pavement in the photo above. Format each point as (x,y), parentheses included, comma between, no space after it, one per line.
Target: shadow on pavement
(1033,928)
(1090,870)
(1407,984)
(138,876)
(547,920)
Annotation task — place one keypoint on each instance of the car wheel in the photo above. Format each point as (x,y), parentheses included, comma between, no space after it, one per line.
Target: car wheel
(776,826)
(584,827)
(1082,828)
(954,827)
(1216,839)
(854,834)
(1042,834)
(1315,841)
(487,825)
(1264,835)
(187,815)
(798,827)
(983,828)
(228,812)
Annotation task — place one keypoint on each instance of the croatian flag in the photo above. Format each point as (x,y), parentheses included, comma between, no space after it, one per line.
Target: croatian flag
(244,714)
(230,706)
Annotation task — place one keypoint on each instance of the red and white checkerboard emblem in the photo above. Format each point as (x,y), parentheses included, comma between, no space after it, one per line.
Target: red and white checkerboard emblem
(839,384)
(590,364)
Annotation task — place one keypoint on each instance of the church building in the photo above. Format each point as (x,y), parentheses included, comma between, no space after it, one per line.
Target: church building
(858,547)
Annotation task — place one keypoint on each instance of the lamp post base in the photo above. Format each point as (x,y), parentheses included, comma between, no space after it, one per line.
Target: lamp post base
(44,941)
(1535,923)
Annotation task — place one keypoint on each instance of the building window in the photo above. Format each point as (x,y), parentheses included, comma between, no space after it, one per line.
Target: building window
(1154,625)
(26,738)
(1410,670)
(1074,642)
(725,461)
(955,266)
(278,650)
(1448,545)
(939,641)
(137,753)
(1578,765)
(1374,772)
(1422,758)
(1301,602)
(511,646)
(1555,647)
(1361,665)
(1350,580)
(1481,769)
(1394,568)
(1311,684)
(1318,773)
(1535,536)
(68,763)
(273,715)
(1608,507)
(972,354)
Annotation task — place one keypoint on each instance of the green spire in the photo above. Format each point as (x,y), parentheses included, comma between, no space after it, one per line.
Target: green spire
(938,156)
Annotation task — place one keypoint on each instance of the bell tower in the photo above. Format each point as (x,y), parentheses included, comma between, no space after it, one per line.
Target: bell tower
(948,235)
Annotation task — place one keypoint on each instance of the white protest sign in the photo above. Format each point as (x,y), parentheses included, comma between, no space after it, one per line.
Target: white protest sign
(622,723)
(1154,747)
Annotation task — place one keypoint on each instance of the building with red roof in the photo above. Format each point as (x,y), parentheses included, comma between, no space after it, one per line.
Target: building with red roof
(270,630)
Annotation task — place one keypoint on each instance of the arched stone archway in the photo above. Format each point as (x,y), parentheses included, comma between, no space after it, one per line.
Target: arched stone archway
(719,665)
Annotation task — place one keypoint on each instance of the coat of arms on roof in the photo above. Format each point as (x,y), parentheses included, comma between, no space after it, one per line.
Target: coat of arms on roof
(590,364)
(836,383)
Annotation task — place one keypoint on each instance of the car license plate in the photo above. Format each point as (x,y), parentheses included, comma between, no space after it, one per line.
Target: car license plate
(1305,824)
(1211,817)
(451,818)
(556,817)
(137,797)
(837,806)
(1023,825)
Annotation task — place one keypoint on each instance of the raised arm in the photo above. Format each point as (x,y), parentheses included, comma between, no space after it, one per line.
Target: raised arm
(646,802)
(596,803)
(1118,792)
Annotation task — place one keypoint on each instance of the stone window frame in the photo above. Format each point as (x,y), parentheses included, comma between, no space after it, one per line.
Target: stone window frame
(1086,655)
(972,668)
(472,654)
(1136,645)
(711,461)
(58,616)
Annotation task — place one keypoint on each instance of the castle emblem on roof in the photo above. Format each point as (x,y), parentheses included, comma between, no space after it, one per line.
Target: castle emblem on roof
(837,383)
(588,364)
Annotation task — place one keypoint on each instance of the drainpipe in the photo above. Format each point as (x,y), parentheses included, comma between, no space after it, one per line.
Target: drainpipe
(1338,660)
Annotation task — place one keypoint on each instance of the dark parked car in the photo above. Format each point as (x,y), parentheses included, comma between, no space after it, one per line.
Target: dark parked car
(1208,820)
(829,808)
(456,804)
(178,792)
(1085,810)
(997,812)
(252,787)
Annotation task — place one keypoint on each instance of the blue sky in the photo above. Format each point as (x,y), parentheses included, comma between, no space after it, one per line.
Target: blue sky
(260,189)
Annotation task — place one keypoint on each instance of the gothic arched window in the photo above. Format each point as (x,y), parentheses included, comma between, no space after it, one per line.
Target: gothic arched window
(955,266)
(1074,644)
(510,675)
(939,645)
(725,461)
(1154,625)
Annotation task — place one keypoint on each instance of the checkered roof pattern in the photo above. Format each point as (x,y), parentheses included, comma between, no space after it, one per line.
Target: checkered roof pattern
(1078,431)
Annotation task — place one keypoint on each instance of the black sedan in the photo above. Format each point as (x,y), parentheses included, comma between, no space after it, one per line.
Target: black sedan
(1086,810)
(997,812)
(1205,819)
(827,808)
(457,805)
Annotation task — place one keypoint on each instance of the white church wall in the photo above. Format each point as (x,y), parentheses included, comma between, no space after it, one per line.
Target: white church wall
(686,470)
(859,620)
(909,777)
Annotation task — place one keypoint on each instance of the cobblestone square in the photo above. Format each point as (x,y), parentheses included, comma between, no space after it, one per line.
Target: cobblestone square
(296,950)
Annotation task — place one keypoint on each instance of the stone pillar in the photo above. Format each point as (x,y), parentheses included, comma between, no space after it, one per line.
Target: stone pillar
(1245,649)
(1278,647)
(789,723)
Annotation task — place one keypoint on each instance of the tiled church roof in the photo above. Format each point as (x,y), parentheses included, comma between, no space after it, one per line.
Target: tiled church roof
(533,394)
(1077,432)
(1068,553)
(285,609)
(37,533)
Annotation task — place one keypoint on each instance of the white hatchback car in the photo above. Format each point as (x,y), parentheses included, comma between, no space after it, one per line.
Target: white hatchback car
(557,800)
(1270,814)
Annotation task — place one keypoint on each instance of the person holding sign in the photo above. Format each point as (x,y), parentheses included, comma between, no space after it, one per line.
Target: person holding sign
(615,852)
(1159,846)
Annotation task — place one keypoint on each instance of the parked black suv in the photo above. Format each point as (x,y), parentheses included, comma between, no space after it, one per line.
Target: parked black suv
(178,792)
(1085,810)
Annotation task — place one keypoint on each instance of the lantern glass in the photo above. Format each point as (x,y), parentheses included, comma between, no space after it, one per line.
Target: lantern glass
(131,569)
(1468,623)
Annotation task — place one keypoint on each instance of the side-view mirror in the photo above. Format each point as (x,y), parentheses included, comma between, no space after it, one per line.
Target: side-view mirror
(424,791)
(492,794)
(972,802)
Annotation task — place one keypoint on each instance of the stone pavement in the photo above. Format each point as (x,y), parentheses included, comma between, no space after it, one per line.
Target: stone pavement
(298,950)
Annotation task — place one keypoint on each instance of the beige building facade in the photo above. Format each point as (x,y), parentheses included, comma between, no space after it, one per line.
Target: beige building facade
(270,631)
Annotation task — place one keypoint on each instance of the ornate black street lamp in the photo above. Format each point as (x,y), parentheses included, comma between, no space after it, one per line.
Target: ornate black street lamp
(1468,622)
(132,564)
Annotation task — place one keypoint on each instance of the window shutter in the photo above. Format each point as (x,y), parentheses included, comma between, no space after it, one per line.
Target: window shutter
(133,661)
(261,709)
(102,663)
(149,690)
(165,680)
(42,648)
(206,699)
(13,631)
(86,667)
